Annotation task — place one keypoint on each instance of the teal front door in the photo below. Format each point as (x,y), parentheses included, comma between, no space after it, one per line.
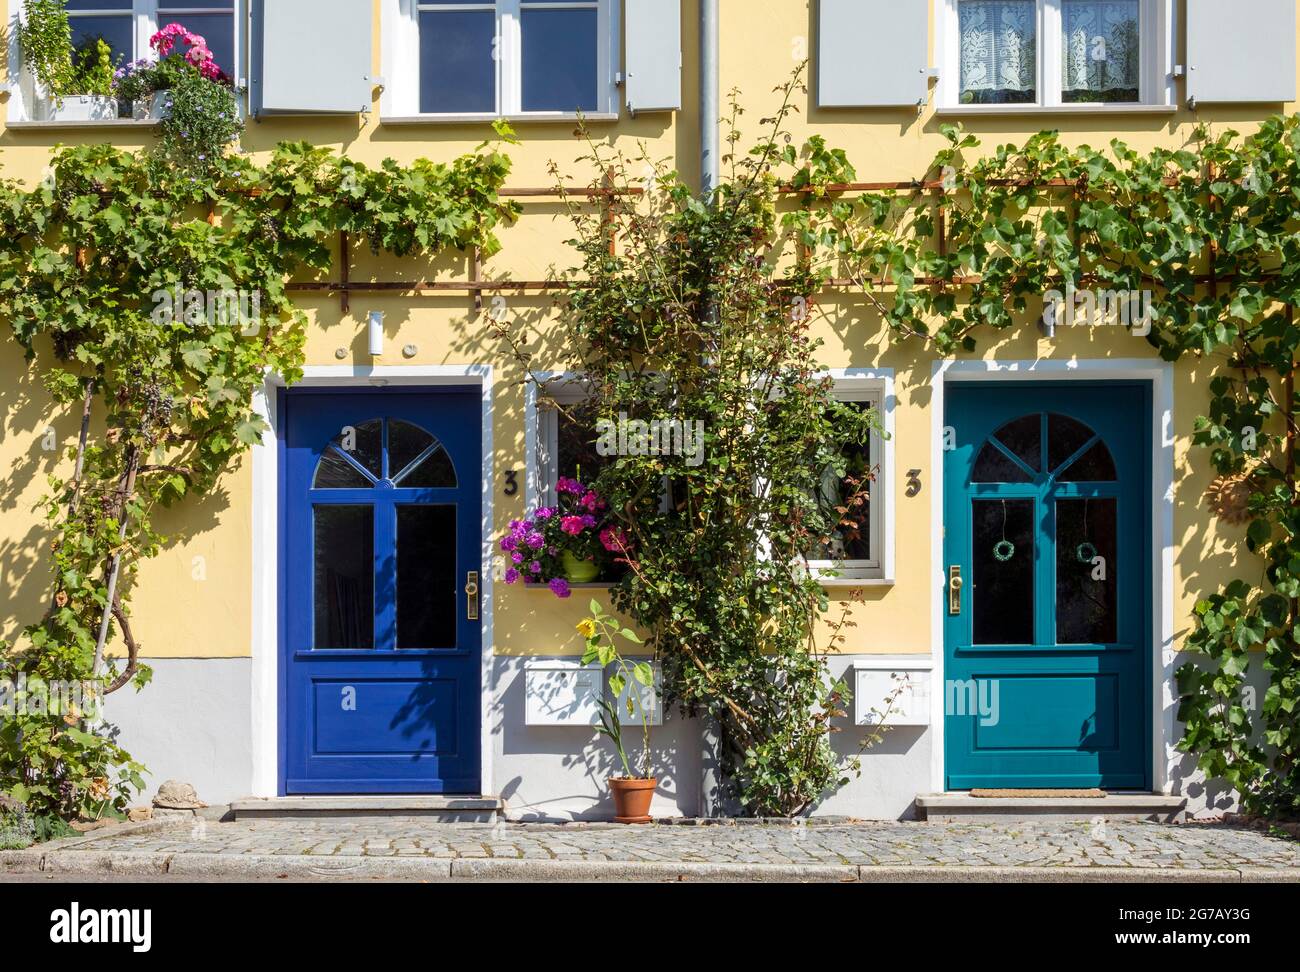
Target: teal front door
(1048,597)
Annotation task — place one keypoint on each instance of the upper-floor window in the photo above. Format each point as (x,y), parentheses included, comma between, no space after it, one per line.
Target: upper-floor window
(509,57)
(1055,53)
(127,25)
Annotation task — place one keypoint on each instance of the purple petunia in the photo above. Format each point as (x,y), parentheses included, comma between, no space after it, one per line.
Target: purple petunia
(512,575)
(560,587)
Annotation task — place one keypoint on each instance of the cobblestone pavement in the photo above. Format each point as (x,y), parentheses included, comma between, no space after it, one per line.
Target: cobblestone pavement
(1111,845)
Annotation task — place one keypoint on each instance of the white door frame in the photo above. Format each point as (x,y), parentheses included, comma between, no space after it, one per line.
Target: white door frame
(1161,376)
(266,546)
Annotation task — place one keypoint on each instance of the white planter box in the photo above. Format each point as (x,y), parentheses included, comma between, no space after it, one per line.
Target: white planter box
(153,108)
(876,679)
(81,108)
(561,692)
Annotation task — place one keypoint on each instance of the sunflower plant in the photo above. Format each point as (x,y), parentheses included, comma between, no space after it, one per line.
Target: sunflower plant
(602,632)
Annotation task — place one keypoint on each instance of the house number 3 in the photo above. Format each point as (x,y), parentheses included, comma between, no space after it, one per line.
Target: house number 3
(512,482)
(914,482)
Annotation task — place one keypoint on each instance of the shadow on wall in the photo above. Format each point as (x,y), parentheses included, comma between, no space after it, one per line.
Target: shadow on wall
(560,772)
(35,443)
(33,439)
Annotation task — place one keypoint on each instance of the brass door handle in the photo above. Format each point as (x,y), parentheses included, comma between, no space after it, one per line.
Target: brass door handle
(955,584)
(471,595)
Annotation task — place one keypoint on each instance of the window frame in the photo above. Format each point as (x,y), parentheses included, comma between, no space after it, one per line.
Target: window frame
(543,446)
(877,389)
(25,102)
(1157,21)
(400,100)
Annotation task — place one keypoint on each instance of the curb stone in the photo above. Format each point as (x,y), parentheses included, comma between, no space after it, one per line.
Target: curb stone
(303,868)
(647,871)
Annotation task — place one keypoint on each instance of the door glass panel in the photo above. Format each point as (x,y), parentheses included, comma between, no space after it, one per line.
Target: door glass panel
(435,472)
(405,443)
(335,472)
(1024,439)
(995,466)
(1065,437)
(1086,571)
(1094,466)
(428,596)
(1002,565)
(364,442)
(344,576)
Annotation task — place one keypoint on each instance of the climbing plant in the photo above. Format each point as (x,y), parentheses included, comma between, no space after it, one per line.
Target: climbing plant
(688,316)
(1208,235)
(679,310)
(153,303)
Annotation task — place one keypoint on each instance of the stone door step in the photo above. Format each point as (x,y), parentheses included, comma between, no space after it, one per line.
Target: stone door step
(442,809)
(963,807)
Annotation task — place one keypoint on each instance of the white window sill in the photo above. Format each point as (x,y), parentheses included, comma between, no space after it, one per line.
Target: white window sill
(94,123)
(1103,109)
(565,118)
(848,582)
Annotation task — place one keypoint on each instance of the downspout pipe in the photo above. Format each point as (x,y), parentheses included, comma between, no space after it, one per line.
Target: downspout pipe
(710,176)
(710,97)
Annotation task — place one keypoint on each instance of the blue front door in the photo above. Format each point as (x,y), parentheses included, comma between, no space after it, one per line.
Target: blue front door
(380,643)
(1047,610)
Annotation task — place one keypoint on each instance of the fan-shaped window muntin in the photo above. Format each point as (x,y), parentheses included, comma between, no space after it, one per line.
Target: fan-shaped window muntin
(1044,445)
(385,453)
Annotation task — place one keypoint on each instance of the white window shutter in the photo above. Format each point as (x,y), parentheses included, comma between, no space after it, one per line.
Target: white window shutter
(312,56)
(873,53)
(653,55)
(1241,52)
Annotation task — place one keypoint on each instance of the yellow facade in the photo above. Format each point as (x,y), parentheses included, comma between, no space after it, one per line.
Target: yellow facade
(195,600)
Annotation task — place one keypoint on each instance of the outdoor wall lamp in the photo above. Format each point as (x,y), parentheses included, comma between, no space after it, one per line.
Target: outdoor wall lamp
(376,333)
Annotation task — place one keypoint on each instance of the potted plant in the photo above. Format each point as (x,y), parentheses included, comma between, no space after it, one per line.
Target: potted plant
(75,85)
(151,84)
(569,543)
(632,793)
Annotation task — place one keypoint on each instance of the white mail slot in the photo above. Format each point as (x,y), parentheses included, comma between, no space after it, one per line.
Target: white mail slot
(561,692)
(875,680)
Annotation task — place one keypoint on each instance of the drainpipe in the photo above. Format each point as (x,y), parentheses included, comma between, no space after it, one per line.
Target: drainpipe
(710,100)
(710,175)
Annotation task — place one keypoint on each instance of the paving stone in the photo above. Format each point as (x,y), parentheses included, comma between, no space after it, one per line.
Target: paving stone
(832,848)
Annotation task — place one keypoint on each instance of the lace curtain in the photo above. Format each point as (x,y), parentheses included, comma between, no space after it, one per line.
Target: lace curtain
(1101,53)
(999,53)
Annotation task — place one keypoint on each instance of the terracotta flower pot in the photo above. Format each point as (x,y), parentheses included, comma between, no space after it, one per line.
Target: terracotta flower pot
(632,799)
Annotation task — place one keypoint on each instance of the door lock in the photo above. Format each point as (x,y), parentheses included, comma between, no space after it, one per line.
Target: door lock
(471,595)
(955,584)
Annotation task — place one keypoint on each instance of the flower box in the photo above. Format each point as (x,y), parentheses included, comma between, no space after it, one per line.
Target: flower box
(155,107)
(81,108)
